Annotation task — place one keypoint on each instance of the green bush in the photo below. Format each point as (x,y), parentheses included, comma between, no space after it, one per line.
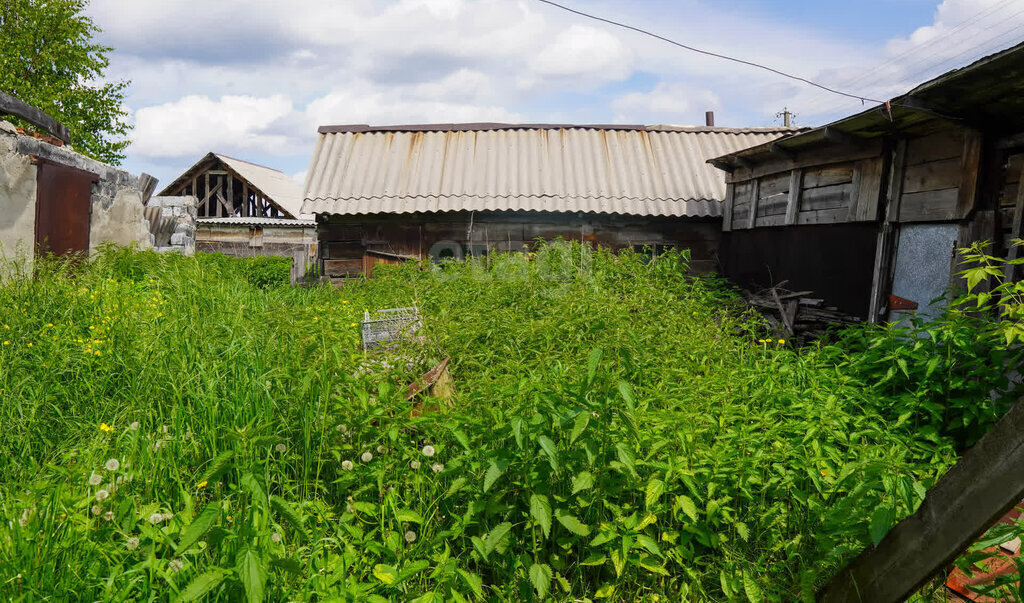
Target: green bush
(613,433)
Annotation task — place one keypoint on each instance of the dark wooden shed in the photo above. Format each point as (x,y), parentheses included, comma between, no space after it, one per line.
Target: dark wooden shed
(384,194)
(868,210)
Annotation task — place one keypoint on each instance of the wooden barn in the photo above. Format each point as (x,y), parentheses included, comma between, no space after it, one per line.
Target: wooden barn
(386,194)
(867,211)
(245,209)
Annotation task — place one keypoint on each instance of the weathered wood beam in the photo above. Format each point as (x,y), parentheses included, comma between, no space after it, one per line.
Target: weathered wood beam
(838,136)
(781,151)
(245,199)
(10,105)
(796,178)
(231,194)
(964,503)
(743,162)
(723,165)
(970,164)
(755,195)
(885,248)
(730,193)
(1013,252)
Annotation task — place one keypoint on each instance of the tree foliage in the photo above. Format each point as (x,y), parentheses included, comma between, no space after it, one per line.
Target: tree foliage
(48,58)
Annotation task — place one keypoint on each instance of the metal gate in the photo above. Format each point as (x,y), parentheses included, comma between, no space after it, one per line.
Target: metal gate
(63,208)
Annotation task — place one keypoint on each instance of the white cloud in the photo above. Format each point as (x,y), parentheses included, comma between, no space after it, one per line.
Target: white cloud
(196,124)
(362,102)
(666,102)
(580,54)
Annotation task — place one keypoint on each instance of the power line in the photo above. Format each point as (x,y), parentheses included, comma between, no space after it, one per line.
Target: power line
(712,54)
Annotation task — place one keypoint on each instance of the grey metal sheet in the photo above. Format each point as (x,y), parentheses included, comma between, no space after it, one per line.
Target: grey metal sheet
(924,258)
(652,170)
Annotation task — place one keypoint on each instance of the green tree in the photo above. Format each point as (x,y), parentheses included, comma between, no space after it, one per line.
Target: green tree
(48,59)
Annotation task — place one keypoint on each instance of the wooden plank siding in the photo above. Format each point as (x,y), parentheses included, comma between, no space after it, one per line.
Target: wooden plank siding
(345,241)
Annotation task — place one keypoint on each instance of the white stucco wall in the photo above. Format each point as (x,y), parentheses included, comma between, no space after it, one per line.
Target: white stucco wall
(117,208)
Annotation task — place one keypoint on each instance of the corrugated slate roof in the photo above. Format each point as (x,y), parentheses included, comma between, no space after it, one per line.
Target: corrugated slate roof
(633,170)
(274,184)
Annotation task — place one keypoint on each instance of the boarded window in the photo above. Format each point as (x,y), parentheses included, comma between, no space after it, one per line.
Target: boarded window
(63,208)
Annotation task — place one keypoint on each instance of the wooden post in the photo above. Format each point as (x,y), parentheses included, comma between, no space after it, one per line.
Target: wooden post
(796,181)
(978,490)
(970,164)
(730,192)
(885,249)
(1013,252)
(207,206)
(231,195)
(755,193)
(245,199)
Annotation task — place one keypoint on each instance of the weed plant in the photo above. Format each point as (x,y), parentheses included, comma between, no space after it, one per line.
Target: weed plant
(173,430)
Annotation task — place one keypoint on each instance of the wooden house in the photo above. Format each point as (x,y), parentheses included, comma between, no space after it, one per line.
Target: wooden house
(386,194)
(245,209)
(867,211)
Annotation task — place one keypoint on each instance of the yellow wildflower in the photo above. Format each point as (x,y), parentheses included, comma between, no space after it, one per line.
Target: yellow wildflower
(106,428)
(99,353)
(7,342)
(201,484)
(782,341)
(30,344)
(352,325)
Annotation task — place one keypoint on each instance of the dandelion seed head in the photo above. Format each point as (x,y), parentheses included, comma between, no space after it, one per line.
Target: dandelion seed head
(415,464)
(108,516)
(132,543)
(280,447)
(112,465)
(437,467)
(410,537)
(346,465)
(156,518)
(276,537)
(176,565)
(167,516)
(102,495)
(95,479)
(96,509)
(428,451)
(367,457)
(381,449)
(134,426)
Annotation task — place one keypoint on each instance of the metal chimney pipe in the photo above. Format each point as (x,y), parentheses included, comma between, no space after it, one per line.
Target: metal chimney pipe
(709,118)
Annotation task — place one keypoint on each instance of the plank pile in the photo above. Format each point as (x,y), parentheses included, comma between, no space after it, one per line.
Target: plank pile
(796,315)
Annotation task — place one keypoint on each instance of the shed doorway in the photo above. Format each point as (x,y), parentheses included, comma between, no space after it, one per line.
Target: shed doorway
(63,209)
(920,273)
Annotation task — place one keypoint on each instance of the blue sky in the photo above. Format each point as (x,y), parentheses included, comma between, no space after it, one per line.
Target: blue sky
(253,78)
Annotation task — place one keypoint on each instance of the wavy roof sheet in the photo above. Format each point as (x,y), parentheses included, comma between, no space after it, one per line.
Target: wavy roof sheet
(612,169)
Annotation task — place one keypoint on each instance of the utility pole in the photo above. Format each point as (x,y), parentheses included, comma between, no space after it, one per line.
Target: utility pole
(787,117)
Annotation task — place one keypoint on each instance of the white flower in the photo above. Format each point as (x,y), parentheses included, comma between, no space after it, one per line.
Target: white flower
(380,449)
(156,518)
(112,465)
(132,543)
(410,537)
(437,467)
(276,537)
(96,509)
(168,516)
(415,464)
(102,495)
(176,565)
(346,465)
(95,479)
(134,427)
(280,448)
(109,516)
(367,457)
(428,451)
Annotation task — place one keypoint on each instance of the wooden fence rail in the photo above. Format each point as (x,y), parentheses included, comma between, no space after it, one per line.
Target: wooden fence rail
(986,483)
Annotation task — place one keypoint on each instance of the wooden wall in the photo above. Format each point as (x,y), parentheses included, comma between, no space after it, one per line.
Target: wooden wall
(241,240)
(934,179)
(345,241)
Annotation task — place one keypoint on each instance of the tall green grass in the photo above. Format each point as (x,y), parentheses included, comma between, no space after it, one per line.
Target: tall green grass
(618,430)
